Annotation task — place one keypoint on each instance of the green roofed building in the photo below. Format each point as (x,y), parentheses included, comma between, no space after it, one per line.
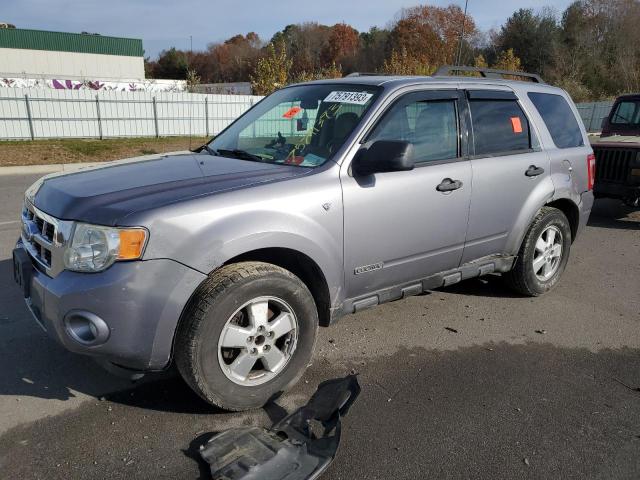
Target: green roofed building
(69,56)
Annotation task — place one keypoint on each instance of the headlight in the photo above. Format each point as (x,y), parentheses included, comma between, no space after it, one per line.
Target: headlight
(95,248)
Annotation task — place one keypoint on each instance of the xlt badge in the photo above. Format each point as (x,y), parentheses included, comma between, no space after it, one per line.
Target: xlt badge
(368,268)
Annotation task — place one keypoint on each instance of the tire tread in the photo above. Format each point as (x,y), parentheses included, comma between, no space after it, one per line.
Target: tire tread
(195,314)
(517,278)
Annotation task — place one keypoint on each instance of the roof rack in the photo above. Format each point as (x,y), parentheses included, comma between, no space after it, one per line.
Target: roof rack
(446,70)
(366,74)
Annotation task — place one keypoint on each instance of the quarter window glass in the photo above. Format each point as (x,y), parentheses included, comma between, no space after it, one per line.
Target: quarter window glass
(431,126)
(627,113)
(499,127)
(559,119)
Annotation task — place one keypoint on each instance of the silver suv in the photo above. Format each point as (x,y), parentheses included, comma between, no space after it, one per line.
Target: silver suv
(324,199)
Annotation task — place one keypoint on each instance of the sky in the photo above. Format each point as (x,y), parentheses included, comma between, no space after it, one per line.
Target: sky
(165,23)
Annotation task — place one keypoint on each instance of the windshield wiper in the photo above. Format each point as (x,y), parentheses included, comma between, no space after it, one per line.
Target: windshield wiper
(241,154)
(207,148)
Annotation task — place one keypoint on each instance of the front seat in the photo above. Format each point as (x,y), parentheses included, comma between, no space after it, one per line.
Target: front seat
(342,127)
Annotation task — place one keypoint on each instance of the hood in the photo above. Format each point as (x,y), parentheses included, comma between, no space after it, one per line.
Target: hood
(107,193)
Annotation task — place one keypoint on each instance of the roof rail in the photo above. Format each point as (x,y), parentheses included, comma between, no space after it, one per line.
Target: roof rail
(446,70)
(366,74)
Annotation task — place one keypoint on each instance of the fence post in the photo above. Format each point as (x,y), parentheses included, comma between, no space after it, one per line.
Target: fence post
(155,117)
(99,117)
(254,123)
(206,115)
(29,117)
(593,113)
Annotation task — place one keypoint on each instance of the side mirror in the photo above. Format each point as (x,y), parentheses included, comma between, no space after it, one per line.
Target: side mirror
(383,156)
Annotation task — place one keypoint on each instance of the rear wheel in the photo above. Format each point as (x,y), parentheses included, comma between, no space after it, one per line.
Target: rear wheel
(248,334)
(543,255)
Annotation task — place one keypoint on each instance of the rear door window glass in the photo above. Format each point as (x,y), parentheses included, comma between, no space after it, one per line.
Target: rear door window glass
(500,127)
(559,119)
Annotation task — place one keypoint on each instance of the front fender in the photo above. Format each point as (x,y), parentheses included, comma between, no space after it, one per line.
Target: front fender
(207,232)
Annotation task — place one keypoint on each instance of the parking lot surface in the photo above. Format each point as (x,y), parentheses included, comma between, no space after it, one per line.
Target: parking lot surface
(471,381)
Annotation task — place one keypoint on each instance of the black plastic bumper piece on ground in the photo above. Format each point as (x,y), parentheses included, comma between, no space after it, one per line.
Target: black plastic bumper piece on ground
(290,449)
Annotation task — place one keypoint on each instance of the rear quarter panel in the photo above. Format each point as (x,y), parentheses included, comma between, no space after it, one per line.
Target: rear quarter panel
(568,166)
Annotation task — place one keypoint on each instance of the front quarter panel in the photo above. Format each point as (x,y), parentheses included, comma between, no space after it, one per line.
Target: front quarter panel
(304,214)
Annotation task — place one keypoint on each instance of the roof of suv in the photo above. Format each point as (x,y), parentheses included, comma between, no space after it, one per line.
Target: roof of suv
(399,81)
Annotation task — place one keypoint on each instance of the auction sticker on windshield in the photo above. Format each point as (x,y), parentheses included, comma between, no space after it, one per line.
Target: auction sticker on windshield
(356,98)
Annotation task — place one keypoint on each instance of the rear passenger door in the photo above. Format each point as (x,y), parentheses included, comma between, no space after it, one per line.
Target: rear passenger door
(510,174)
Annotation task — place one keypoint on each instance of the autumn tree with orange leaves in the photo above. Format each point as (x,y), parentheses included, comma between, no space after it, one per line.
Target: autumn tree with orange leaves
(429,35)
(560,47)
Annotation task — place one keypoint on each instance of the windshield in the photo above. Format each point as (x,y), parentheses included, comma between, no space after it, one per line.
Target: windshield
(303,125)
(627,113)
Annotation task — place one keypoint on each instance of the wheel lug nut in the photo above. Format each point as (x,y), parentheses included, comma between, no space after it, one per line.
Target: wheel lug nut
(266,348)
(250,339)
(261,328)
(270,334)
(253,351)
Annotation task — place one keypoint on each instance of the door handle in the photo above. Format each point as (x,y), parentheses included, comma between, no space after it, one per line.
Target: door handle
(449,185)
(534,171)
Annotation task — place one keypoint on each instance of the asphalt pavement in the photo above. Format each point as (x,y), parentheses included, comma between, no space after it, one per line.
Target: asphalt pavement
(471,381)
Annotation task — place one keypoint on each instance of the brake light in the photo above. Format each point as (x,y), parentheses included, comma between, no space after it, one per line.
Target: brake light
(591,170)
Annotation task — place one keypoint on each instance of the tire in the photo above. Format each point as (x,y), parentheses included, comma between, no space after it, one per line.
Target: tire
(523,277)
(218,305)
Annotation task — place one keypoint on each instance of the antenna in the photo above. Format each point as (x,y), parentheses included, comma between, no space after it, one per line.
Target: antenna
(464,20)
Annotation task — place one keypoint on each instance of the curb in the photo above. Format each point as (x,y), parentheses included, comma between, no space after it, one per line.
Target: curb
(43,169)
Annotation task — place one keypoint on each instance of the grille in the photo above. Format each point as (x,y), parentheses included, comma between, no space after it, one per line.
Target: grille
(44,237)
(612,164)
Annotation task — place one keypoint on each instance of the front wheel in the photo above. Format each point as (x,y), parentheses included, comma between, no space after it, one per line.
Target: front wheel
(247,335)
(543,255)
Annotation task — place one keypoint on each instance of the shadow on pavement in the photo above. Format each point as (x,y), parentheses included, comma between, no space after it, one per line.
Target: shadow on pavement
(487,286)
(164,394)
(609,213)
(474,412)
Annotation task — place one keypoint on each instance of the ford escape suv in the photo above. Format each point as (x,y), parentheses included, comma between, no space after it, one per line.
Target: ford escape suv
(323,199)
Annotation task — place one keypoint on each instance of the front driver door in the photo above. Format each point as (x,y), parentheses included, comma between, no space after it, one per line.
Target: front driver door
(401,226)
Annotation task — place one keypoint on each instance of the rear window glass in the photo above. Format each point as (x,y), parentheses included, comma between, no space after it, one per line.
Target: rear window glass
(559,118)
(626,113)
(499,127)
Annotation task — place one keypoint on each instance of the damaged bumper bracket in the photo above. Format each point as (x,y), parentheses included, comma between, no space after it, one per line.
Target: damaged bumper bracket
(299,447)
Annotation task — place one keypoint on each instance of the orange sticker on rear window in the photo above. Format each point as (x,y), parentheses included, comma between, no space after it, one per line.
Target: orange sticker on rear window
(292,112)
(516,124)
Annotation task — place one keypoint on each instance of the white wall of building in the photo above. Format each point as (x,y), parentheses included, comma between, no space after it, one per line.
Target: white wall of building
(68,65)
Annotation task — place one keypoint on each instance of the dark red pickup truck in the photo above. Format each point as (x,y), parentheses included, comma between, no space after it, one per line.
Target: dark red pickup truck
(617,152)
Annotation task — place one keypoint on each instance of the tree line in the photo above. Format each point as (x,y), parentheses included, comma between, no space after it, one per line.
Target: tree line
(591,49)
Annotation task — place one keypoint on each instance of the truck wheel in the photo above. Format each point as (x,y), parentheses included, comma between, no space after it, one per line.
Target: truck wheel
(247,335)
(543,255)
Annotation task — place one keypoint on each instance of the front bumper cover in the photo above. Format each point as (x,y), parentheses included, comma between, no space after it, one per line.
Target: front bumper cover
(141,302)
